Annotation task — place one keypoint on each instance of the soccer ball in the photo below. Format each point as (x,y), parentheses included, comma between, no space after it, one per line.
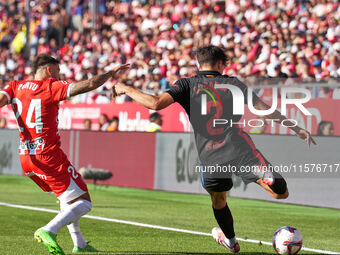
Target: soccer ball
(287,240)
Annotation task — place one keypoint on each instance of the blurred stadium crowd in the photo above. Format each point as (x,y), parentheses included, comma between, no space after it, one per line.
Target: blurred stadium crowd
(275,38)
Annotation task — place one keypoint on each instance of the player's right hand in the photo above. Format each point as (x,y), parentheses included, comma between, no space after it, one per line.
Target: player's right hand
(305,135)
(119,69)
(118,89)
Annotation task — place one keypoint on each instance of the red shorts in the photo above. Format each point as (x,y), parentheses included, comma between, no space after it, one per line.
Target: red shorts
(54,172)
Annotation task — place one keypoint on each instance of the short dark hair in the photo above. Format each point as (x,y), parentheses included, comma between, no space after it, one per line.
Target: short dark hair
(154,116)
(42,60)
(115,118)
(211,55)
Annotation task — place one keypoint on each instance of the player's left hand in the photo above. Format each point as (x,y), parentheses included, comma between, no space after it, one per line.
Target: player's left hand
(305,135)
(119,69)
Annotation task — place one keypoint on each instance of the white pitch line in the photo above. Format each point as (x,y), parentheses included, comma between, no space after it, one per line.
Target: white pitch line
(156,226)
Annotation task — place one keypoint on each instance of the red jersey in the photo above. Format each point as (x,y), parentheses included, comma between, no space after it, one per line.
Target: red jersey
(36,106)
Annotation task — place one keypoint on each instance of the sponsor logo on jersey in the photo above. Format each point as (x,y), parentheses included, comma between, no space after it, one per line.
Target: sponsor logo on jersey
(31,148)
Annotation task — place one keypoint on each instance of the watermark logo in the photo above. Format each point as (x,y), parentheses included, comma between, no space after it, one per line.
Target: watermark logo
(239,104)
(239,100)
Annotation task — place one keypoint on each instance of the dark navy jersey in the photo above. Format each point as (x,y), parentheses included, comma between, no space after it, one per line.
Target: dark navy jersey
(219,138)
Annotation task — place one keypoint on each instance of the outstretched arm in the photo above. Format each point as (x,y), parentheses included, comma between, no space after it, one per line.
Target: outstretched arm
(147,100)
(96,81)
(278,117)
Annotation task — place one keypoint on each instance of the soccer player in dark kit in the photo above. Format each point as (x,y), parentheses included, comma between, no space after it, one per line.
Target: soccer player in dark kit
(206,99)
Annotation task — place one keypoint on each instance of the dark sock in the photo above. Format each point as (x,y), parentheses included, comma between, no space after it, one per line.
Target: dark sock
(225,221)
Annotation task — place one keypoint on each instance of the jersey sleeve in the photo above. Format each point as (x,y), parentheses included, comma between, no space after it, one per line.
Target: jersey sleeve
(8,91)
(178,91)
(60,90)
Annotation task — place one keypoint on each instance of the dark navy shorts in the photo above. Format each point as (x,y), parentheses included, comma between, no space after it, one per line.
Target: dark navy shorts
(218,178)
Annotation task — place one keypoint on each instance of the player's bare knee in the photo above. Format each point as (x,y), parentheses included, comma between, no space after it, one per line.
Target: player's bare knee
(218,204)
(218,199)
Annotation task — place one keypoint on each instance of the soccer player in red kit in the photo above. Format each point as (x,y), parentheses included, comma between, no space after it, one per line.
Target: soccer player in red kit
(36,104)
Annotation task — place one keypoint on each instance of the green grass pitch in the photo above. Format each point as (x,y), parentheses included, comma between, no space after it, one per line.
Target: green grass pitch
(258,220)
